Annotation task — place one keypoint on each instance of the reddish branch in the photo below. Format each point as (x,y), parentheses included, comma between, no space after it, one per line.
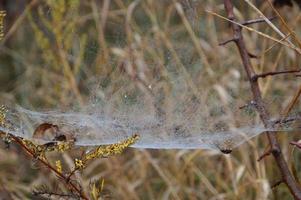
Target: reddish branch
(66,179)
(265,154)
(262,110)
(263,75)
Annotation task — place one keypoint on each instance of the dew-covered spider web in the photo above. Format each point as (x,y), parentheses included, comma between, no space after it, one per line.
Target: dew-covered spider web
(186,121)
(187,124)
(175,89)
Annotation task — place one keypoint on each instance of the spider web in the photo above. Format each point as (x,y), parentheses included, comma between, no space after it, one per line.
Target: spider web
(161,87)
(186,122)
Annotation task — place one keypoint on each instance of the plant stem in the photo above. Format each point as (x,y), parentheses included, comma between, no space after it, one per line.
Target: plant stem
(45,163)
(261,108)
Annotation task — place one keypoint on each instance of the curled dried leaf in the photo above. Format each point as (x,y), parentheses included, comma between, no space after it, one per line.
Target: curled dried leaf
(45,130)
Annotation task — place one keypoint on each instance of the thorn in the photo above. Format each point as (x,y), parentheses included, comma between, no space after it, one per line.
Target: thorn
(253,55)
(277,183)
(265,154)
(227,41)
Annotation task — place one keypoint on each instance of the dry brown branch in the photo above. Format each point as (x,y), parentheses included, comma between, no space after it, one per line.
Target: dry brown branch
(256,21)
(297,144)
(263,75)
(62,177)
(261,108)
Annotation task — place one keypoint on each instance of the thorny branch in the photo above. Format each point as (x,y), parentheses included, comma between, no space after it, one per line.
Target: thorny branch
(261,108)
(245,23)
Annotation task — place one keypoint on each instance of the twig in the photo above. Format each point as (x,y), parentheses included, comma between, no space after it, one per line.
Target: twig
(45,163)
(254,21)
(262,110)
(265,154)
(234,40)
(298,50)
(286,120)
(277,183)
(251,55)
(297,144)
(263,75)
(245,23)
(227,41)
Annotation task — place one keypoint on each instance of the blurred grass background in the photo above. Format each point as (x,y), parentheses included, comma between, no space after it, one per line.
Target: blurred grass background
(55,51)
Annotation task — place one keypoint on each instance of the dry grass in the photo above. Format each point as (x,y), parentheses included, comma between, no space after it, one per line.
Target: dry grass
(53,62)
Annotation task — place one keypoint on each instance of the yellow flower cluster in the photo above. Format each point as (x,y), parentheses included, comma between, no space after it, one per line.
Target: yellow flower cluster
(3,112)
(63,146)
(105,151)
(5,137)
(40,150)
(58,165)
(2,15)
(111,149)
(79,164)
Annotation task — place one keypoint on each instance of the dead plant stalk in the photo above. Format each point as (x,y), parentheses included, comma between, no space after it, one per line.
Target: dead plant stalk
(275,149)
